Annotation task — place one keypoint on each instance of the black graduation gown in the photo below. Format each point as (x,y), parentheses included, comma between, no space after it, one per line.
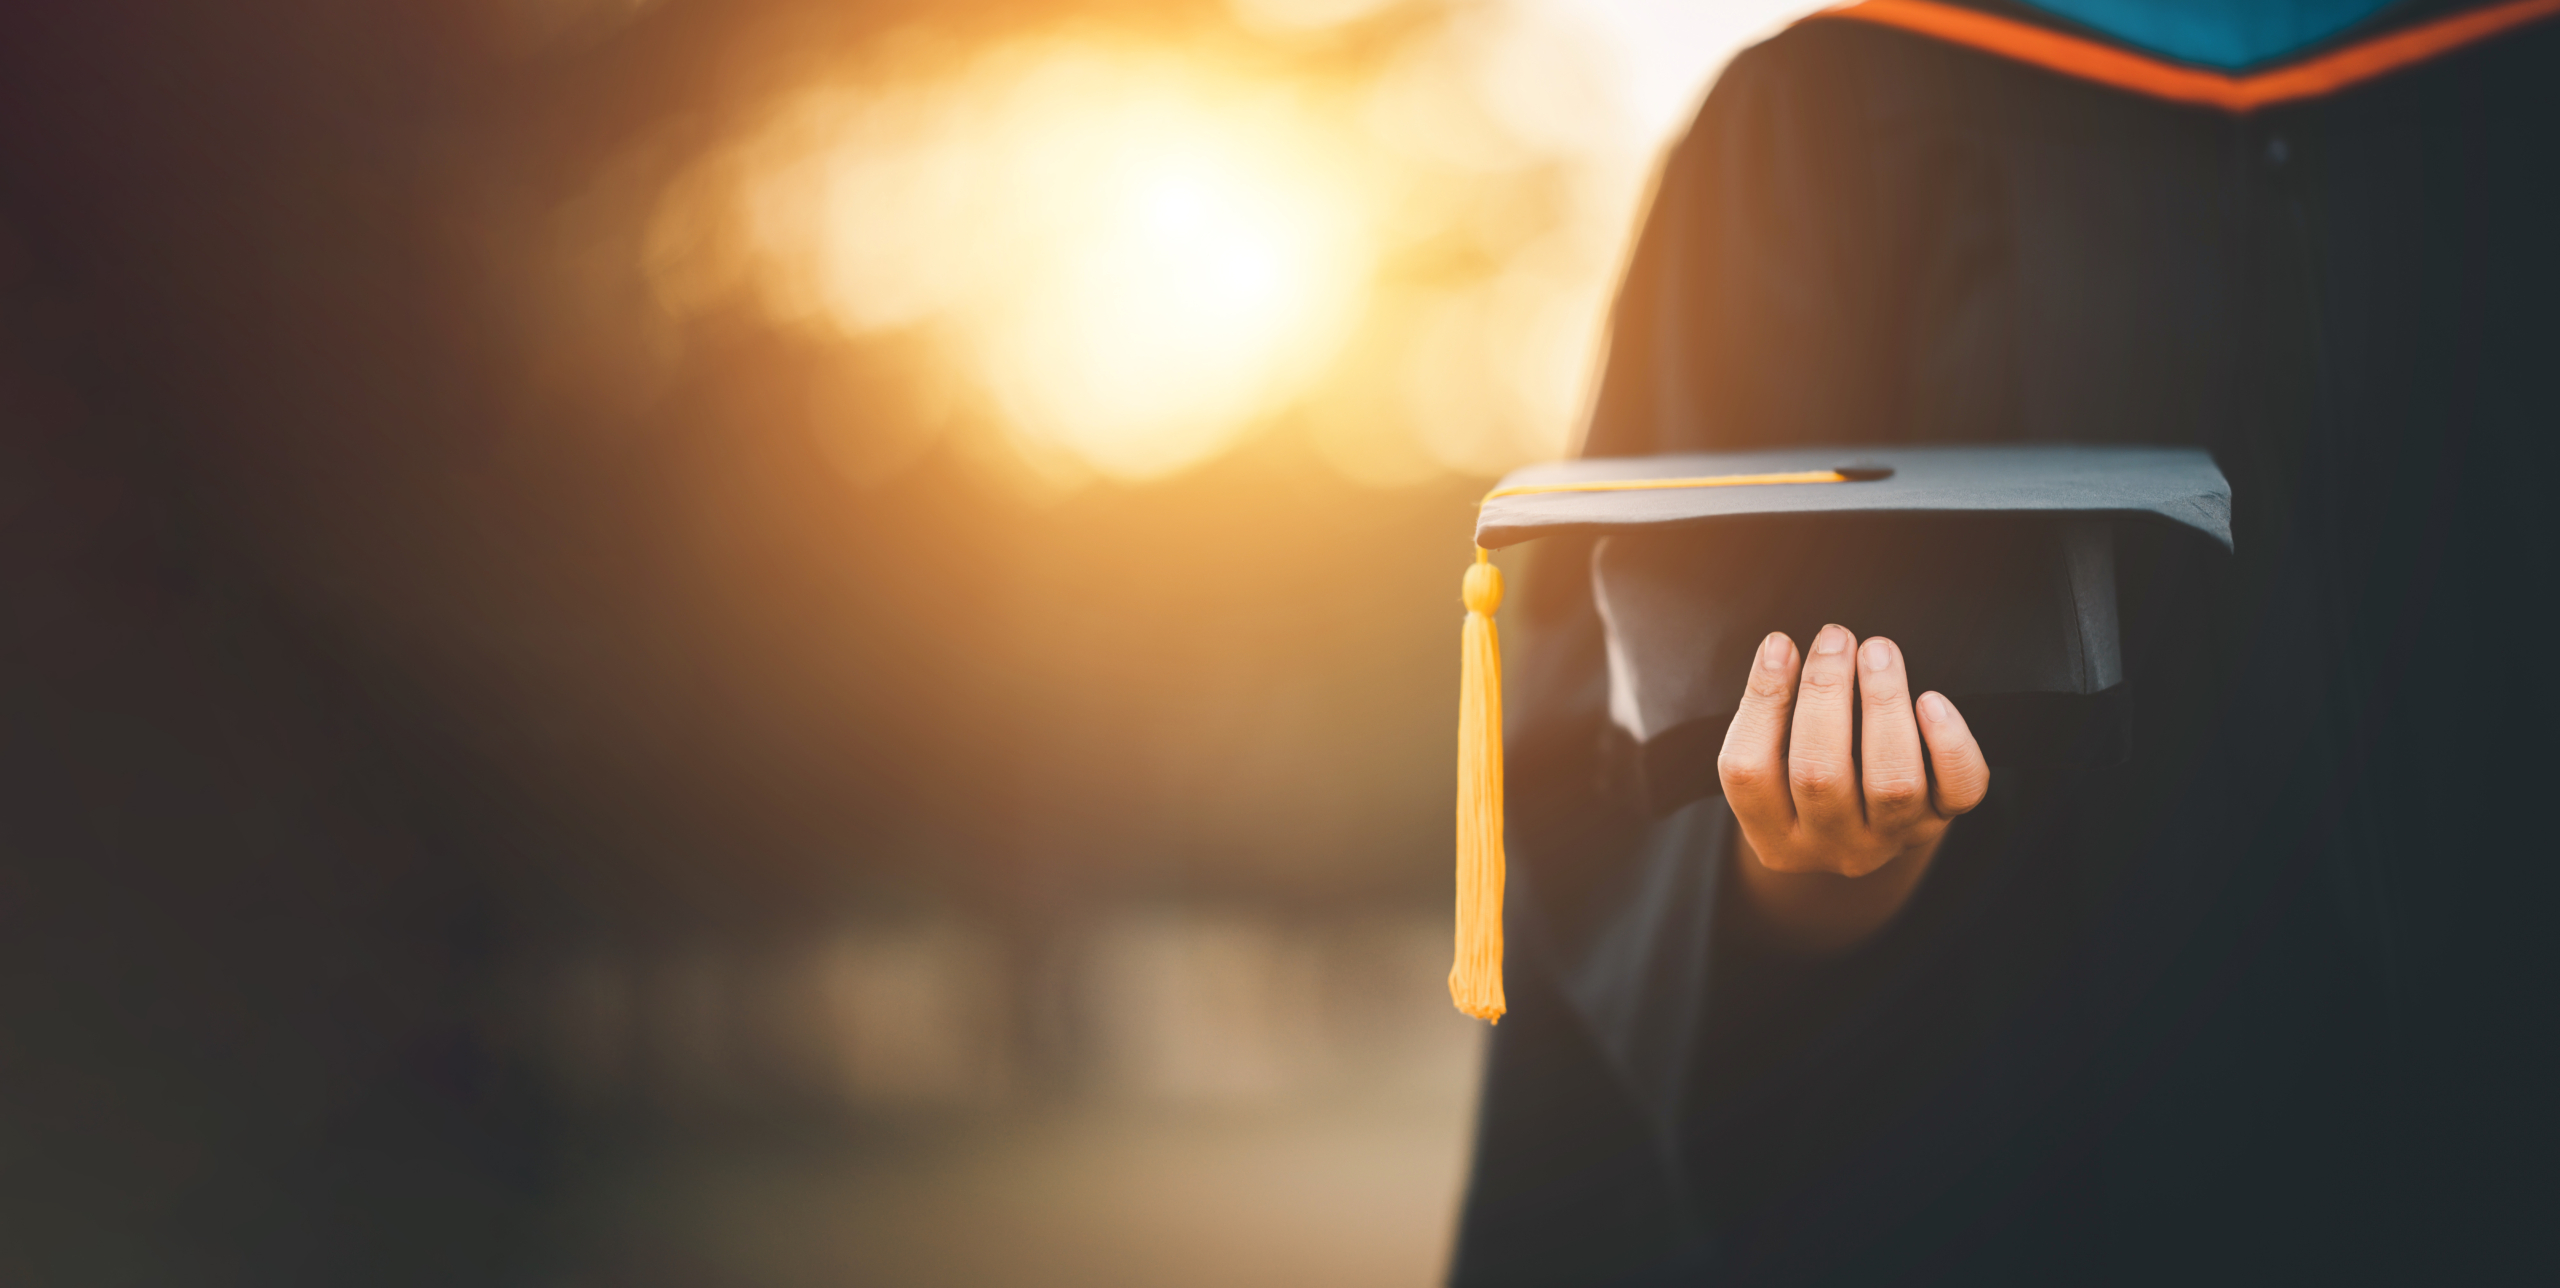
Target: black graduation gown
(2273,1001)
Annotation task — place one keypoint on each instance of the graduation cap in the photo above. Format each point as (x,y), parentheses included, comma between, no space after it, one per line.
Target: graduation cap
(1992,567)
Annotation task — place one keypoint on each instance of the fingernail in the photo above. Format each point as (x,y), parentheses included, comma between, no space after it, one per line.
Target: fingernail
(1934,709)
(1773,651)
(1877,655)
(1831,640)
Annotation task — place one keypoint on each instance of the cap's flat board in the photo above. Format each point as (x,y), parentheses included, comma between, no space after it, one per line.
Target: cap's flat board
(2179,484)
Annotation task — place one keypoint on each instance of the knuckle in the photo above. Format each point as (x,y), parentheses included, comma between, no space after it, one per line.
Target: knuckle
(1775,852)
(1958,795)
(1855,866)
(1783,860)
(1740,771)
(1824,681)
(1842,856)
(1764,686)
(1814,780)
(1896,790)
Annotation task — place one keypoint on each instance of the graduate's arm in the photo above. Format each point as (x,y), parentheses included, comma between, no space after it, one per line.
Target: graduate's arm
(1835,839)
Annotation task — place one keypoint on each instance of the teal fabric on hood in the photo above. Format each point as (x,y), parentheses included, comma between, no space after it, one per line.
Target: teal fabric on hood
(2228,34)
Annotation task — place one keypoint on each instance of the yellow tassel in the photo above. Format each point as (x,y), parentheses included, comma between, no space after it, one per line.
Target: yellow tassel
(1475,979)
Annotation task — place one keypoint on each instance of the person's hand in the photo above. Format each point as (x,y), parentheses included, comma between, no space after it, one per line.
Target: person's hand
(1834,840)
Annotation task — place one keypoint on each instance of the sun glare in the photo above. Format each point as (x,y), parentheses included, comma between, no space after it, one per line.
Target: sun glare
(1135,253)
(1202,297)
(1140,259)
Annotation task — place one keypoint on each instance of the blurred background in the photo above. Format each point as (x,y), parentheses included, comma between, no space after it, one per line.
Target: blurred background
(769,642)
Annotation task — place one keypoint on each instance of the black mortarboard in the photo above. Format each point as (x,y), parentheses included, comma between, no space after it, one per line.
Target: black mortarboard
(1992,567)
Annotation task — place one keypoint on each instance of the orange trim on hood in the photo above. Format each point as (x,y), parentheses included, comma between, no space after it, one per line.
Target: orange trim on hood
(2108,65)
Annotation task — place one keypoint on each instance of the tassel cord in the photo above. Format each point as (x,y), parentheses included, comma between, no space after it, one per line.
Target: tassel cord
(1475,977)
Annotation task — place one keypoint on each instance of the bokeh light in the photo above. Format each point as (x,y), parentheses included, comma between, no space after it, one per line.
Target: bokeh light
(1391,225)
(1189,262)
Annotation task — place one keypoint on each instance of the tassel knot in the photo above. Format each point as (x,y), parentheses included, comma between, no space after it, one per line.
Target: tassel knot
(1483,589)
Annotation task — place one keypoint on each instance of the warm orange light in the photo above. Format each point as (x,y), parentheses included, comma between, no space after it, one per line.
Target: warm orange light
(1213,271)
(1134,253)
(1140,256)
